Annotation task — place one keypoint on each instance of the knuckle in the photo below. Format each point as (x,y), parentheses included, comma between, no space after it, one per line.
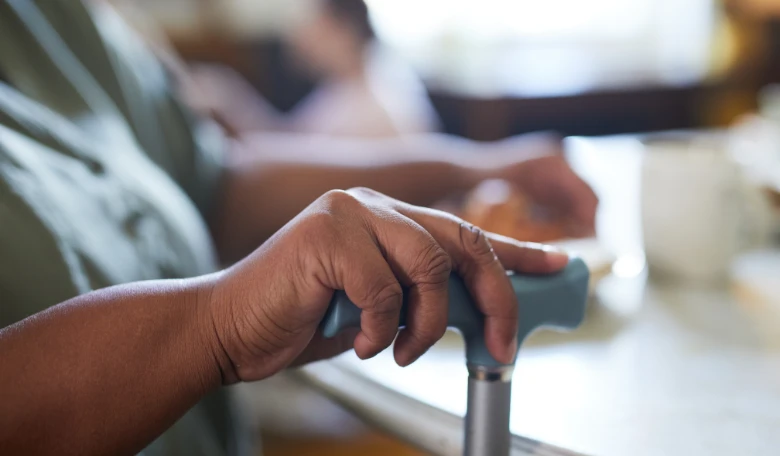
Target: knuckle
(433,265)
(338,200)
(476,244)
(325,225)
(364,192)
(373,197)
(334,212)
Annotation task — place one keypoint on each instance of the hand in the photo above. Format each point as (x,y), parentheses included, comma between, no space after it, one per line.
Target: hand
(549,180)
(266,309)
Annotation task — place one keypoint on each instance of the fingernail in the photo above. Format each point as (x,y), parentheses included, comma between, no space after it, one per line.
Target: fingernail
(553,250)
(558,255)
(511,352)
(556,258)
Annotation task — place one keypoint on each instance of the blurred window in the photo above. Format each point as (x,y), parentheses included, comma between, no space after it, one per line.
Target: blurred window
(550,47)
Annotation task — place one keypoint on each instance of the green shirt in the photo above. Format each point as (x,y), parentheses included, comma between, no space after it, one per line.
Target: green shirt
(104,176)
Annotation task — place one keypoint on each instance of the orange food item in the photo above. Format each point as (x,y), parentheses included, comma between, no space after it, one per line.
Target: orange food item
(498,206)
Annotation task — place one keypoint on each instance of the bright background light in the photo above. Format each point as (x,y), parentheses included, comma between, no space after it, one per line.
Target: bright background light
(411,20)
(535,47)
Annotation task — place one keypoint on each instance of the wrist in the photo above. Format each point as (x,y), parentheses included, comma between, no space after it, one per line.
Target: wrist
(213,322)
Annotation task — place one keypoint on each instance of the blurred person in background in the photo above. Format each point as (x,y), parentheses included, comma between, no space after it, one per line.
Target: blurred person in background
(107,178)
(362,90)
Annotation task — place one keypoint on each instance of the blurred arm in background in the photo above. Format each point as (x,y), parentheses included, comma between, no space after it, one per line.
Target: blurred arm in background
(282,174)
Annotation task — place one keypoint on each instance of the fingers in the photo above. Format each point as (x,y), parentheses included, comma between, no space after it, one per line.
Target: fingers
(371,285)
(426,274)
(423,267)
(414,248)
(377,251)
(475,260)
(486,278)
(527,257)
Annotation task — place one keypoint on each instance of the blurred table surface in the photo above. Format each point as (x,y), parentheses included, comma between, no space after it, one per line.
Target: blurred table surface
(656,369)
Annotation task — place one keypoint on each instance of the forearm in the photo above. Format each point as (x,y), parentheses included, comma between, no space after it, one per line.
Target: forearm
(105,373)
(279,175)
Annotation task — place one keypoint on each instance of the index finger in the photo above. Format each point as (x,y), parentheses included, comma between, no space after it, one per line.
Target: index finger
(527,257)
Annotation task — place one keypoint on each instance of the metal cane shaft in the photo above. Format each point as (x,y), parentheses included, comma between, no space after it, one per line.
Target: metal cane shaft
(487,416)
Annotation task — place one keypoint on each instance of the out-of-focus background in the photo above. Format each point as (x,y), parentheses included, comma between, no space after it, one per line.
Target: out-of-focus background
(499,67)
(485,70)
